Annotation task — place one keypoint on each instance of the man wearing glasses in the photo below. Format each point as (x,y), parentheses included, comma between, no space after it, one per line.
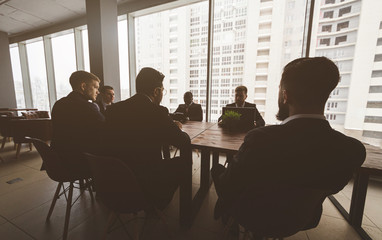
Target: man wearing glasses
(138,128)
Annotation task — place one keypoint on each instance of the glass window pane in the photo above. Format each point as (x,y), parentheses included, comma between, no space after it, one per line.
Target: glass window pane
(353,44)
(37,72)
(251,46)
(175,43)
(17,77)
(85,46)
(123,59)
(64,60)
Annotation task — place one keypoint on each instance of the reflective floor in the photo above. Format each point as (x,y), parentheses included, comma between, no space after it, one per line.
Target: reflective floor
(25,202)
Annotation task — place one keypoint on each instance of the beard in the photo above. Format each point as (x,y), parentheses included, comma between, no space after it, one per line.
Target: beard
(283,112)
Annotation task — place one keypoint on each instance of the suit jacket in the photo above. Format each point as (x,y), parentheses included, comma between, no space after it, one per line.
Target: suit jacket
(193,112)
(76,123)
(302,152)
(138,129)
(102,109)
(258,118)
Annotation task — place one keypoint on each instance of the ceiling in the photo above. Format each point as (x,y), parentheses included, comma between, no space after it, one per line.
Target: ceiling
(17,16)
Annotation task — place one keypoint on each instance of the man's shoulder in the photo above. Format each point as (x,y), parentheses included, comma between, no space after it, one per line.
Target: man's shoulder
(349,143)
(265,134)
(196,105)
(231,105)
(247,104)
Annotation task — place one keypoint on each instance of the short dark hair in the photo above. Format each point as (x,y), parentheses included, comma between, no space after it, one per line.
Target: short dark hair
(79,77)
(147,80)
(241,89)
(104,88)
(309,81)
(188,94)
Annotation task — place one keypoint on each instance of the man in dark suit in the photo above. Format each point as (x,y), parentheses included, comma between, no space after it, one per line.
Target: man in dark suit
(76,120)
(192,111)
(240,96)
(106,98)
(303,150)
(139,127)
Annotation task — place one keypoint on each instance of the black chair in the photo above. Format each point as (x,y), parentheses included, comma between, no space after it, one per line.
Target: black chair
(276,211)
(57,170)
(119,190)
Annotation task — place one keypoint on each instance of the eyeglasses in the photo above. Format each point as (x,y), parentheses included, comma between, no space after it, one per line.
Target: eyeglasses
(164,91)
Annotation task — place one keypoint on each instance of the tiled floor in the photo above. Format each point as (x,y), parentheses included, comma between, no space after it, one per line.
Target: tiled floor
(25,204)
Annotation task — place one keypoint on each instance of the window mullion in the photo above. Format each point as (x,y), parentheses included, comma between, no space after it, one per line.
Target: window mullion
(50,70)
(25,75)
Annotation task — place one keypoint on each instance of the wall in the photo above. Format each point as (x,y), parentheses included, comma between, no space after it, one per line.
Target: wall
(7,89)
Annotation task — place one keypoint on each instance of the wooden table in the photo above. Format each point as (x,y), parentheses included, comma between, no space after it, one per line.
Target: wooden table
(207,137)
(371,167)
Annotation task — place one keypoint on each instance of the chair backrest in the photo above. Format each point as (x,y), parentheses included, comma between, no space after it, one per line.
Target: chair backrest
(116,184)
(34,128)
(53,164)
(279,211)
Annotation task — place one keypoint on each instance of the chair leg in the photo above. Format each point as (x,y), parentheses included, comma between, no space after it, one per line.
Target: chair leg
(14,146)
(162,217)
(227,227)
(56,194)
(18,150)
(68,208)
(110,222)
(30,147)
(136,227)
(3,143)
(89,189)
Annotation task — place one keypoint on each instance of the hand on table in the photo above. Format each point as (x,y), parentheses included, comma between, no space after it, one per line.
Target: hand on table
(179,124)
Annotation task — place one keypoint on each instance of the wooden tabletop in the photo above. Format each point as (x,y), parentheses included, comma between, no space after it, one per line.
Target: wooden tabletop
(219,139)
(373,162)
(194,128)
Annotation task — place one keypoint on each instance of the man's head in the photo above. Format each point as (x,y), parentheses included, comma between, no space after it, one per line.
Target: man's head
(187,97)
(150,82)
(306,84)
(107,94)
(85,83)
(240,95)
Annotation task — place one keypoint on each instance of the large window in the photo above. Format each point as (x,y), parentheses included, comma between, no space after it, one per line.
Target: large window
(123,59)
(252,50)
(17,77)
(175,43)
(37,73)
(64,59)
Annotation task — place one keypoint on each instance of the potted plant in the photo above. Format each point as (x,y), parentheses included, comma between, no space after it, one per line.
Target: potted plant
(230,120)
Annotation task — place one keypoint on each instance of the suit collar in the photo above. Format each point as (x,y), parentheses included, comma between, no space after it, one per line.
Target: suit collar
(78,95)
(309,116)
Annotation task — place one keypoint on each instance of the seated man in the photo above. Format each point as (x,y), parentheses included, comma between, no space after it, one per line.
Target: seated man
(76,119)
(303,150)
(240,96)
(192,111)
(106,98)
(139,127)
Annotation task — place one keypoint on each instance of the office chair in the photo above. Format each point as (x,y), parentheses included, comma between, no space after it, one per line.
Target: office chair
(119,190)
(57,170)
(277,211)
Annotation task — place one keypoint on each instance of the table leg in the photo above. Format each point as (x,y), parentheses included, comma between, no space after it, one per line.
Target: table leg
(205,170)
(215,158)
(358,199)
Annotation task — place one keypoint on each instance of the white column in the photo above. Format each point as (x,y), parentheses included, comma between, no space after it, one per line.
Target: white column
(102,19)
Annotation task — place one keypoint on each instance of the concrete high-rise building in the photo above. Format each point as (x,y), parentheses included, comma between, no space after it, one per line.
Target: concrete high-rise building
(254,40)
(347,31)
